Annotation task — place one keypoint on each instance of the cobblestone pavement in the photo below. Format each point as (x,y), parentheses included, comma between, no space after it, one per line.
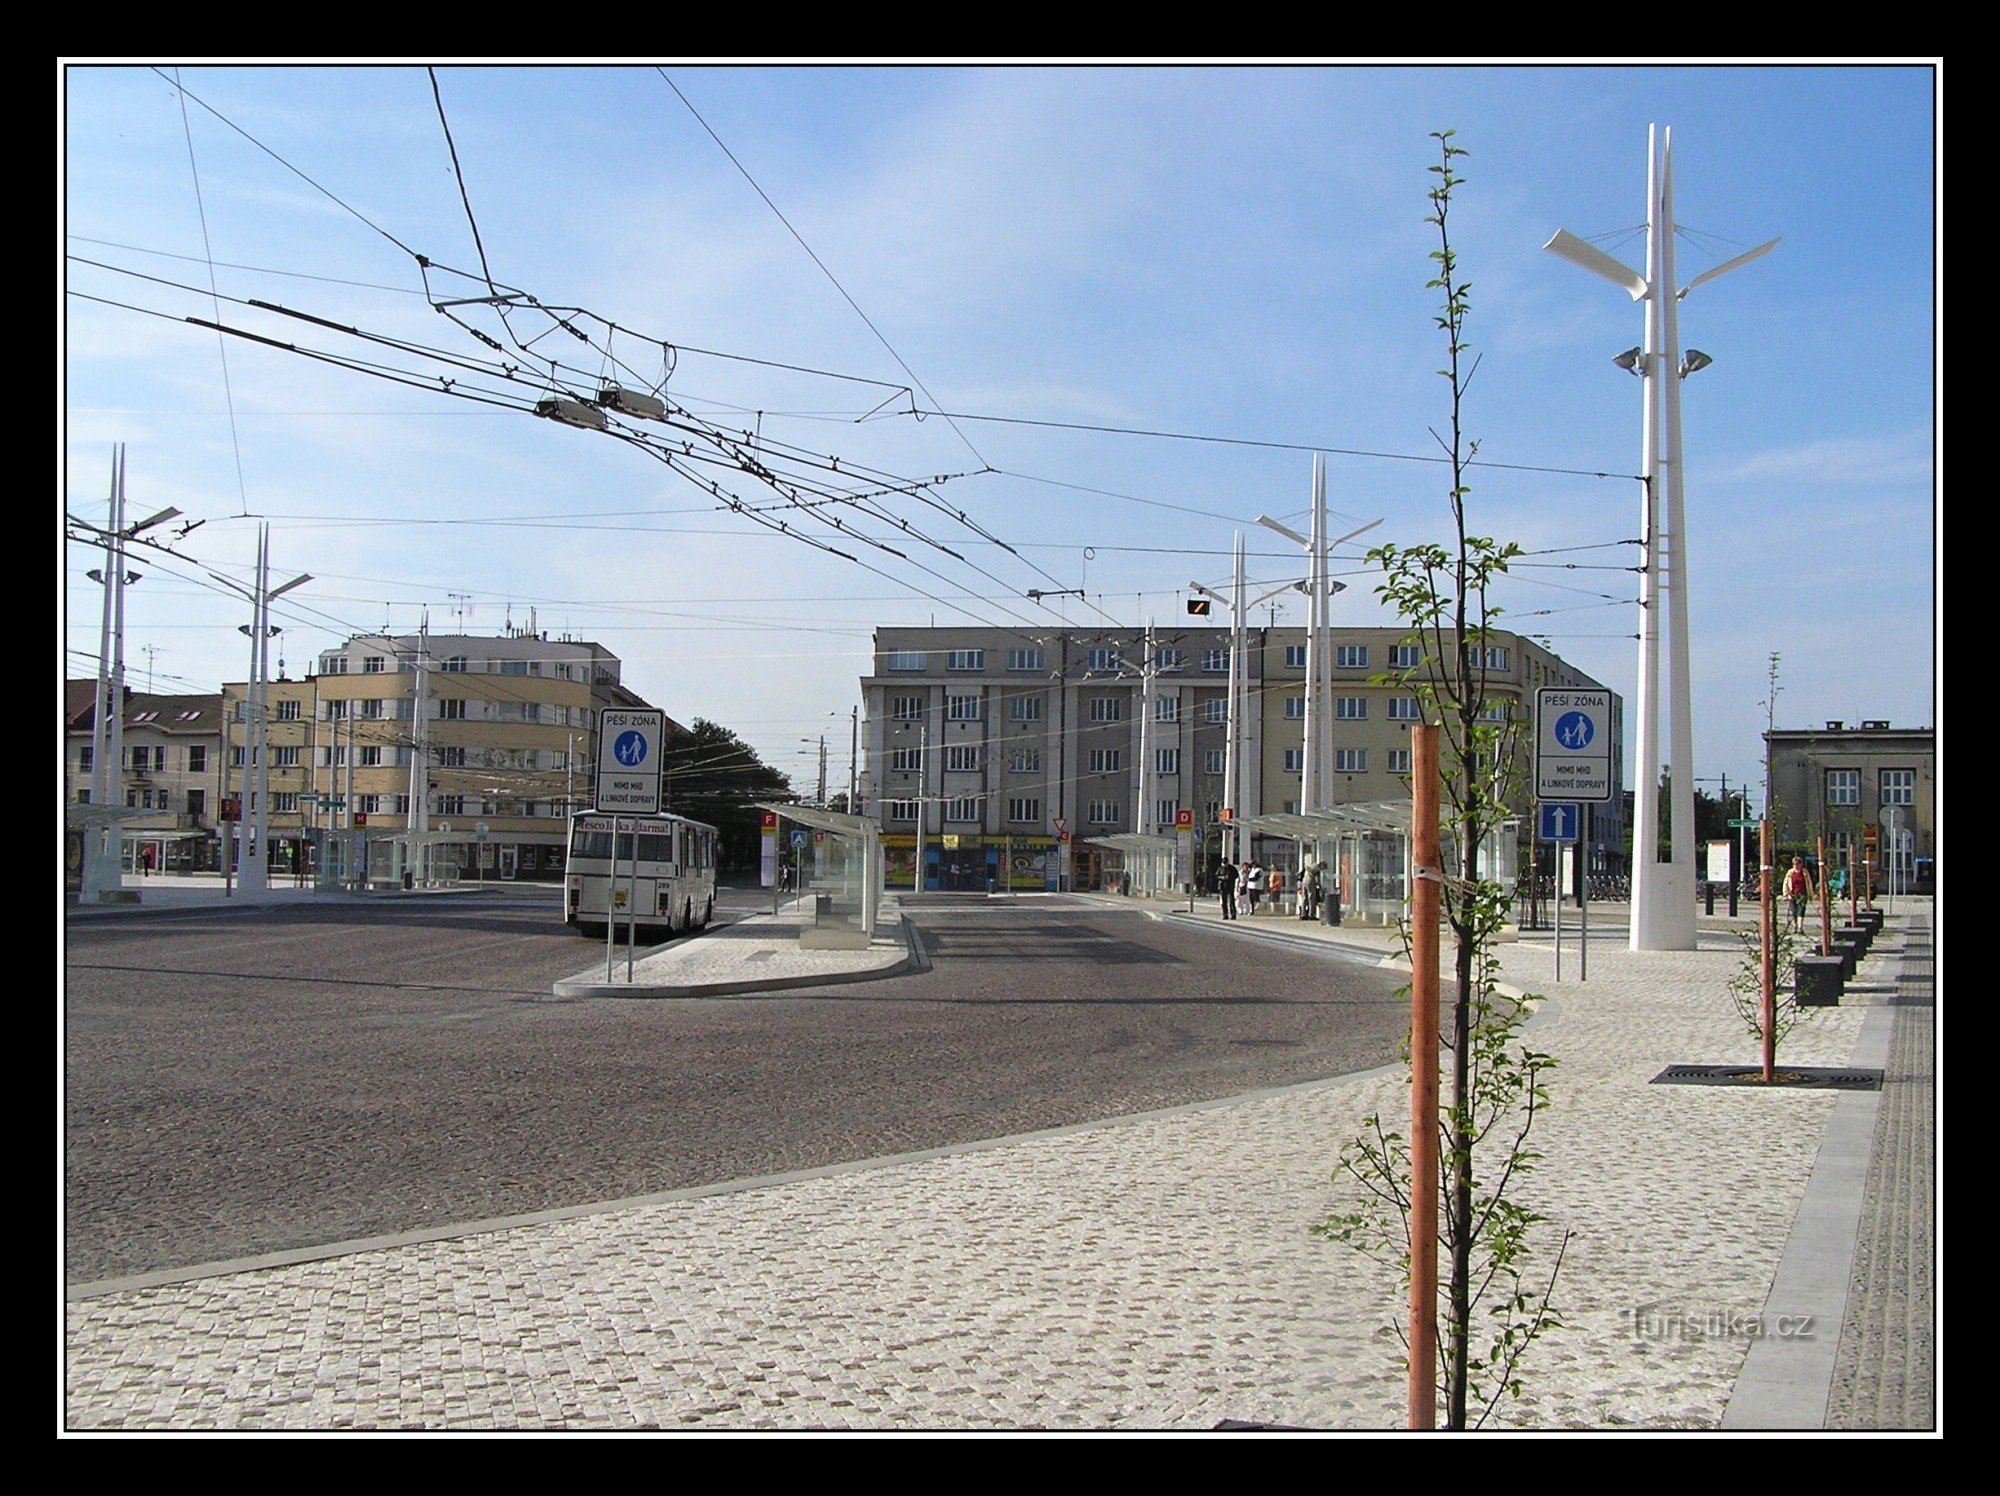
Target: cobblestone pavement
(1151,1273)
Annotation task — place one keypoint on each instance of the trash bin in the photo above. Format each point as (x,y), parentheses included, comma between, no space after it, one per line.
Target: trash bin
(409,879)
(1330,910)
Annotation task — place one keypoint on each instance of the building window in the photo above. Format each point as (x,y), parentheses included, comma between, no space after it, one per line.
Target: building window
(1350,656)
(451,757)
(336,711)
(85,757)
(1215,661)
(902,810)
(1899,786)
(1106,659)
(197,803)
(1350,708)
(285,758)
(1295,708)
(333,664)
(1025,761)
(1106,760)
(288,710)
(1498,711)
(1399,760)
(1350,760)
(1843,786)
(284,803)
(1107,708)
(513,667)
(371,711)
(371,758)
(236,755)
(1167,761)
(962,760)
(906,659)
(197,761)
(965,809)
(1405,656)
(371,664)
(907,708)
(1024,810)
(1295,656)
(450,805)
(1216,711)
(1103,812)
(1168,659)
(1167,709)
(564,672)
(1295,760)
(965,659)
(962,708)
(1025,709)
(1405,709)
(1215,761)
(905,760)
(1025,659)
(456,665)
(450,709)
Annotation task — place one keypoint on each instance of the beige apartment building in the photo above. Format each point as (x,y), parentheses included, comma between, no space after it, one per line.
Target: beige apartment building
(480,745)
(1024,759)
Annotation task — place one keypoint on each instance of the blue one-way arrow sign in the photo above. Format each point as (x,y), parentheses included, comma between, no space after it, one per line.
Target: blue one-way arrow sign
(1560,822)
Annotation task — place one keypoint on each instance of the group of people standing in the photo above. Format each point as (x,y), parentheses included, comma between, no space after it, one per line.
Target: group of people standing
(1254,881)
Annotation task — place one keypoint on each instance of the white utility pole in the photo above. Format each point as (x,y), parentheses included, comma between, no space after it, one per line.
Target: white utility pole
(419,818)
(1316,755)
(102,854)
(1662,892)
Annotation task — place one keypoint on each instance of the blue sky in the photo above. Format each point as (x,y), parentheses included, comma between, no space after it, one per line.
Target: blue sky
(1232,253)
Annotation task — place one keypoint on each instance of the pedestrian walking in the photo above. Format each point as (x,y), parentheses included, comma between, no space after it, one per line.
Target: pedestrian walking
(1225,877)
(1798,888)
(1253,883)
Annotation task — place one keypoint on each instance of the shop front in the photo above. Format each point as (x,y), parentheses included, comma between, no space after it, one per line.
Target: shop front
(960,863)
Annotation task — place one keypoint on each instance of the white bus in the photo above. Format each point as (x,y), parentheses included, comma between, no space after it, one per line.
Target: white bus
(669,890)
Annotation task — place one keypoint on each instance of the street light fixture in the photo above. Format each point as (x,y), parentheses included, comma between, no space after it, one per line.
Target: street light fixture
(1662,893)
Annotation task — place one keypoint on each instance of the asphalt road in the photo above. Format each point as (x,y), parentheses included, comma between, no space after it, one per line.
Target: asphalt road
(258,1080)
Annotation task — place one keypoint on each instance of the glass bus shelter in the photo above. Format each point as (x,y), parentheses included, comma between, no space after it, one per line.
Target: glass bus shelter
(838,890)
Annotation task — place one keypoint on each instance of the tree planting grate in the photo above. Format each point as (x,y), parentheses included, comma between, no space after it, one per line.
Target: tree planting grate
(1790,1077)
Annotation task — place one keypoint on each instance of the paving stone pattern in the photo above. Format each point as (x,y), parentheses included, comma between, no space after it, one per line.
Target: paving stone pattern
(1155,1273)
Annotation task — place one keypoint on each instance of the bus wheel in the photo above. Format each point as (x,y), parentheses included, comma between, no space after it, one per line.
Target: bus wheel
(708,914)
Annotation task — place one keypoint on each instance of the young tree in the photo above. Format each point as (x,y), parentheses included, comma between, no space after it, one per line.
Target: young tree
(1494,1085)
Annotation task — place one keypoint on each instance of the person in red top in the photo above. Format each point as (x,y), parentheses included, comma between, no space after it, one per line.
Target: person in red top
(1798,888)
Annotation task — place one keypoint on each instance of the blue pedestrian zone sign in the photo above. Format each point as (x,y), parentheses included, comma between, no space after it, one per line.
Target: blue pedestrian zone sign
(1573,746)
(1561,823)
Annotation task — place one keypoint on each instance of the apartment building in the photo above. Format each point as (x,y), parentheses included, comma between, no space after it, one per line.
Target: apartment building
(169,774)
(1851,785)
(485,742)
(1014,757)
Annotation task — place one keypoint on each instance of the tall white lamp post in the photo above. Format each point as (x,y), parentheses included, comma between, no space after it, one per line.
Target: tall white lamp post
(1663,907)
(257,746)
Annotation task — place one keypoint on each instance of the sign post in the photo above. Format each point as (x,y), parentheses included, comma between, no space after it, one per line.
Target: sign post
(628,783)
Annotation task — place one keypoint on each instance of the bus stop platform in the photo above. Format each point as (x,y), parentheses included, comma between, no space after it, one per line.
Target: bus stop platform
(759,953)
